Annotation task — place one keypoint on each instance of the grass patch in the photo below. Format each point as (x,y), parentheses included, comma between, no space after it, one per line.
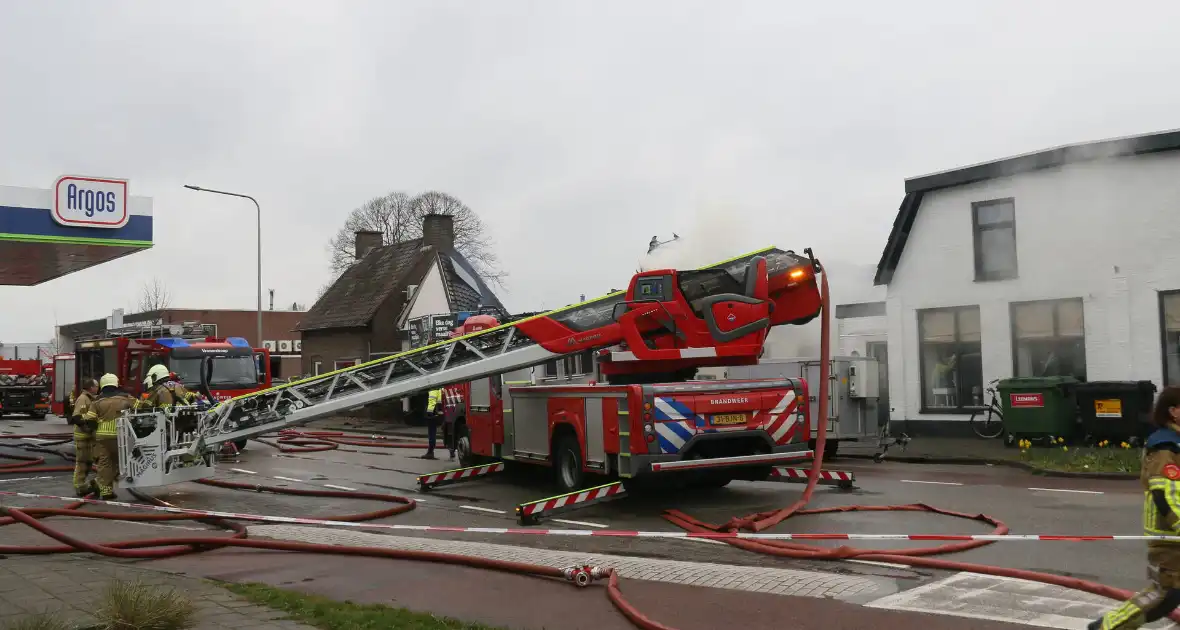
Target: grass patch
(38,622)
(329,614)
(1113,458)
(134,606)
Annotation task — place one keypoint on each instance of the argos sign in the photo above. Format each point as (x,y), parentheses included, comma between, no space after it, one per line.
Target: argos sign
(94,202)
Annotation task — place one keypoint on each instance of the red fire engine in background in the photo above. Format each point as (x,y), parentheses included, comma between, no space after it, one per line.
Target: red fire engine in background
(650,416)
(24,388)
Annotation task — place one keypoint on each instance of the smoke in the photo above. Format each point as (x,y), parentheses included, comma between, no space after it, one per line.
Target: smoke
(714,235)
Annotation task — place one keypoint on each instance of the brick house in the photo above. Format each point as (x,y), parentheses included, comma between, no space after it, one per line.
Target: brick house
(363,314)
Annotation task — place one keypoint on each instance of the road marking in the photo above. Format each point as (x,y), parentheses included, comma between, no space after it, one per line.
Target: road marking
(891,565)
(26,479)
(328,485)
(582,523)
(290,479)
(481,509)
(244,471)
(38,440)
(1064,490)
(1003,599)
(938,483)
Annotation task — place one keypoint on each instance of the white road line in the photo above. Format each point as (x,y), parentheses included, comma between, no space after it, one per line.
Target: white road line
(244,471)
(37,440)
(328,485)
(582,523)
(290,479)
(26,479)
(1064,490)
(891,565)
(481,509)
(937,483)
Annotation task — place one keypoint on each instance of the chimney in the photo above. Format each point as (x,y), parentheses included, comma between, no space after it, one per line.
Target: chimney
(438,231)
(366,240)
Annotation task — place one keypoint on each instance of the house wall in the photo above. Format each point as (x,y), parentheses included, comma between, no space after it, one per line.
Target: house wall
(431,296)
(329,346)
(1103,231)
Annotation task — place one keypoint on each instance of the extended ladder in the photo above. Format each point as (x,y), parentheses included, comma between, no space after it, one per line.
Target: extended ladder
(504,348)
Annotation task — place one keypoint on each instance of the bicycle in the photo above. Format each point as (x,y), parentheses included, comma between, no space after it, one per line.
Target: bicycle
(993,424)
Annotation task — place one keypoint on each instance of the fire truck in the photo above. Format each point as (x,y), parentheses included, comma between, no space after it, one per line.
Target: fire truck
(129,352)
(24,388)
(640,413)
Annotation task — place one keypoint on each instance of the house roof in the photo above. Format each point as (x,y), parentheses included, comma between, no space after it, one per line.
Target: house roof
(353,300)
(916,187)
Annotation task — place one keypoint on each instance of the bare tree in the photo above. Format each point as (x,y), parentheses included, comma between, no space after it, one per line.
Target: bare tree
(399,218)
(155,296)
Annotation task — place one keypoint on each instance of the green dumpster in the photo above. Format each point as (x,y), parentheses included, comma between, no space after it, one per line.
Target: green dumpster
(1039,408)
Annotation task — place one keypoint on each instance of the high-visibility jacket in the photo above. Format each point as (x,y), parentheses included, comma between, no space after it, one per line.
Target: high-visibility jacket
(433,400)
(106,409)
(80,407)
(166,394)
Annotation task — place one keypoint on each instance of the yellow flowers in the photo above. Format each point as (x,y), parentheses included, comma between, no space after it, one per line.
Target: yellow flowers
(1061,440)
(1024,444)
(1125,445)
(1105,443)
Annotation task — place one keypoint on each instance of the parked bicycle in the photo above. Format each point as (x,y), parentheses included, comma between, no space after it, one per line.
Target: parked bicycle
(988,422)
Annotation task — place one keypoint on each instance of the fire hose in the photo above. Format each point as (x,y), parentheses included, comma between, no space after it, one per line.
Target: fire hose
(295,441)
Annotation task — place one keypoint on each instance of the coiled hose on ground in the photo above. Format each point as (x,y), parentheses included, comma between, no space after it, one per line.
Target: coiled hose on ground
(295,441)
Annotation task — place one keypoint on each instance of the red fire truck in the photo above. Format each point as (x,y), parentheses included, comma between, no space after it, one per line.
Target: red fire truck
(129,352)
(24,388)
(650,416)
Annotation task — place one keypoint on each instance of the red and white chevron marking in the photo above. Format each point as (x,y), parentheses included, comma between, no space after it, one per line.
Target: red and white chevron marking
(460,473)
(600,532)
(601,492)
(800,475)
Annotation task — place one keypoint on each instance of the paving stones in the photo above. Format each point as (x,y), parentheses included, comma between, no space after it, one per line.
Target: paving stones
(68,586)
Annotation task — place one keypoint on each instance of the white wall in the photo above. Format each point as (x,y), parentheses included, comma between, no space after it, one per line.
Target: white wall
(431,297)
(856,333)
(1104,231)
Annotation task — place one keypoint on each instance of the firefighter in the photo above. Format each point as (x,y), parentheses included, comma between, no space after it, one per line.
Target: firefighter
(163,390)
(83,438)
(104,414)
(1161,516)
(433,407)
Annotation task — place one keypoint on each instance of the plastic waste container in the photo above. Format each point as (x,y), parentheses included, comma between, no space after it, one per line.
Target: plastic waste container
(1115,410)
(1039,408)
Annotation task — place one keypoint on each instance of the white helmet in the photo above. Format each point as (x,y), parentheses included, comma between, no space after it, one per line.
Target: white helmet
(155,373)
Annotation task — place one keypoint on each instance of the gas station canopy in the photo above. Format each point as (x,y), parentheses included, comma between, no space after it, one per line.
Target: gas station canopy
(78,223)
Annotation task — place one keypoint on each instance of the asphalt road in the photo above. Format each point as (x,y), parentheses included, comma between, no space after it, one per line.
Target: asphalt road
(1028,504)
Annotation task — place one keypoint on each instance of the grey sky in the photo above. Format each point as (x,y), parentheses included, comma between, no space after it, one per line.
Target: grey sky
(576,129)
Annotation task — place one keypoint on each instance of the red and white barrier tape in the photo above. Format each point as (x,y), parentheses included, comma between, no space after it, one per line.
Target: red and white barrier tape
(600,532)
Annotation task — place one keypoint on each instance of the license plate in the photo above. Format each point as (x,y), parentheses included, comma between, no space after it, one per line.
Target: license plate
(1108,408)
(730,418)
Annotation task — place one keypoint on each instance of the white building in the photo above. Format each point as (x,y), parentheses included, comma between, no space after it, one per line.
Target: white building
(1063,261)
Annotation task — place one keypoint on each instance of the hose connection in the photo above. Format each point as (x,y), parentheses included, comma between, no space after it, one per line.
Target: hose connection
(584,575)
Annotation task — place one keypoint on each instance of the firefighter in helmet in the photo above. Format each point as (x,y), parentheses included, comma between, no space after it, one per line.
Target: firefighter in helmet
(163,390)
(83,438)
(103,414)
(1161,516)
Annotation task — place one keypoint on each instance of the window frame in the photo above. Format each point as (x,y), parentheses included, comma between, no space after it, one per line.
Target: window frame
(1013,306)
(961,409)
(1163,324)
(977,231)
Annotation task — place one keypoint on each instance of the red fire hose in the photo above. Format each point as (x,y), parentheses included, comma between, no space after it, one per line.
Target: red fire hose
(295,441)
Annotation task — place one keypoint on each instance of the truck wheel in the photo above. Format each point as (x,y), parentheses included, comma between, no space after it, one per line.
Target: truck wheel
(463,447)
(567,463)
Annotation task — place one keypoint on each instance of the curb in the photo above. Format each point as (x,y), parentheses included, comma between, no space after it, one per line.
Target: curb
(984,461)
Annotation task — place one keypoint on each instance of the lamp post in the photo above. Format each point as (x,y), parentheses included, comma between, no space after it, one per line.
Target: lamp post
(259,210)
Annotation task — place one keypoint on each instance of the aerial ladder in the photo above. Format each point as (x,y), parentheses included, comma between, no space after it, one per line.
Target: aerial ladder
(665,321)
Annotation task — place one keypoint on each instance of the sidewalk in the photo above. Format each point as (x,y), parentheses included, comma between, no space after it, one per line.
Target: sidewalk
(68,586)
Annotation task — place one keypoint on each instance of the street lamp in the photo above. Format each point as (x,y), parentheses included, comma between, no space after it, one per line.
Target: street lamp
(259,209)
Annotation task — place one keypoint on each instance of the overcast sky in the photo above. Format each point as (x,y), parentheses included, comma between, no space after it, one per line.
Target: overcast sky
(577,130)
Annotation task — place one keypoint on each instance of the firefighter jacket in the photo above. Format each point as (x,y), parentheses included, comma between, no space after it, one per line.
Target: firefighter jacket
(434,399)
(1161,484)
(166,394)
(80,407)
(106,409)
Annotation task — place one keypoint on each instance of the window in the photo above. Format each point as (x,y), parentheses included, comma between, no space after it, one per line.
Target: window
(951,363)
(994,227)
(551,369)
(1170,322)
(586,362)
(347,363)
(1049,339)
